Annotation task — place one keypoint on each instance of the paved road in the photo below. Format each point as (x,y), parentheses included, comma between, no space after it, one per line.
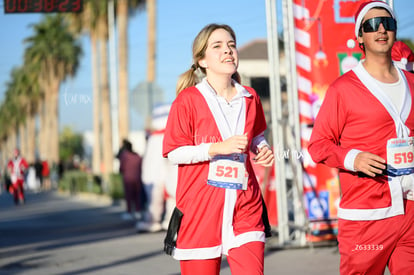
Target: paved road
(63,235)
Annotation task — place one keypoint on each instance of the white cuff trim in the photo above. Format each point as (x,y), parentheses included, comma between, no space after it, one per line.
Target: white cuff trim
(350,159)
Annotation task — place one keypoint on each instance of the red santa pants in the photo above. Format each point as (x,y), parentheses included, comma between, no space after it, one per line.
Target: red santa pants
(366,247)
(247,259)
(16,188)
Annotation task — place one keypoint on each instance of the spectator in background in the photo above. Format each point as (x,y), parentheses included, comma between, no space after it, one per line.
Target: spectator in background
(38,166)
(130,169)
(59,171)
(6,179)
(159,176)
(17,167)
(46,175)
(31,182)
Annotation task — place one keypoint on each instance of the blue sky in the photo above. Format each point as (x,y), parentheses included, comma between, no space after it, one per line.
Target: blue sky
(178,22)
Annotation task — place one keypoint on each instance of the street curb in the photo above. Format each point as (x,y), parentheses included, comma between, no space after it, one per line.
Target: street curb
(98,199)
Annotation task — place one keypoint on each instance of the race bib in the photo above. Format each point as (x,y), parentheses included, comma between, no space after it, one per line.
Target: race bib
(228,172)
(400,156)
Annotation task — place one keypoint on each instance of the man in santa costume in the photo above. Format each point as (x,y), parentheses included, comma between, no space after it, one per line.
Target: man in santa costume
(17,167)
(365,129)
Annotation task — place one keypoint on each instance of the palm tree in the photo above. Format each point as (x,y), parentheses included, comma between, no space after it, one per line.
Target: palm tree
(123,110)
(86,22)
(17,114)
(56,52)
(99,28)
(124,8)
(30,98)
(94,21)
(17,94)
(27,95)
(101,8)
(10,115)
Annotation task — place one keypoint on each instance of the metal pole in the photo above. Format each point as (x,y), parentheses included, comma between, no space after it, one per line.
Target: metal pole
(294,123)
(277,120)
(114,80)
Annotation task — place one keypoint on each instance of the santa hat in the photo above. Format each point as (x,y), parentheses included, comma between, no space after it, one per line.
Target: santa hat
(403,56)
(364,8)
(160,116)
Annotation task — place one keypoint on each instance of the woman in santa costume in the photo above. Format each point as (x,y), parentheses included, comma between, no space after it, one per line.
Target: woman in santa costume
(365,128)
(213,123)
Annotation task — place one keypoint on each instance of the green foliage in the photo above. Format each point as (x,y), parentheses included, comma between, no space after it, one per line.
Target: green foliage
(53,48)
(116,188)
(76,181)
(70,144)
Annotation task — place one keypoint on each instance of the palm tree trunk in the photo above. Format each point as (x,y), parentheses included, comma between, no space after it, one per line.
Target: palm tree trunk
(48,125)
(22,140)
(31,137)
(12,142)
(123,103)
(54,125)
(97,145)
(4,156)
(151,11)
(50,121)
(106,106)
(43,130)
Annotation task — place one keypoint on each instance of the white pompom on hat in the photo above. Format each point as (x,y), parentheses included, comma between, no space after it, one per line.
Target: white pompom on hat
(365,7)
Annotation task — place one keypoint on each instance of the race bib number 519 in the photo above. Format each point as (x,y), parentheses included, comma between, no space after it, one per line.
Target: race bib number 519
(400,156)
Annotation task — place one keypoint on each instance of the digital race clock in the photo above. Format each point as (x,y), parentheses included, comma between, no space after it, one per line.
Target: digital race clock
(26,6)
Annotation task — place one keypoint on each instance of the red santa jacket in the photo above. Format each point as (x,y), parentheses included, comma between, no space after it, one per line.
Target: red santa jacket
(16,168)
(353,117)
(215,219)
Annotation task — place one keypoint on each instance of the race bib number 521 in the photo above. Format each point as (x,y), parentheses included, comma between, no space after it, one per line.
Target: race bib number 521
(228,172)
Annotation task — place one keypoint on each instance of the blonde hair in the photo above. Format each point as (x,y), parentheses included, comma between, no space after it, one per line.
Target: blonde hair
(192,76)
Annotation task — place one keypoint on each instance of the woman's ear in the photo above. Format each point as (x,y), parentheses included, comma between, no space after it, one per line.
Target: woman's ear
(202,64)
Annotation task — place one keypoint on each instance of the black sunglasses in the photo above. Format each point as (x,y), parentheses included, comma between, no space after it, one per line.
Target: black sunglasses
(372,24)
